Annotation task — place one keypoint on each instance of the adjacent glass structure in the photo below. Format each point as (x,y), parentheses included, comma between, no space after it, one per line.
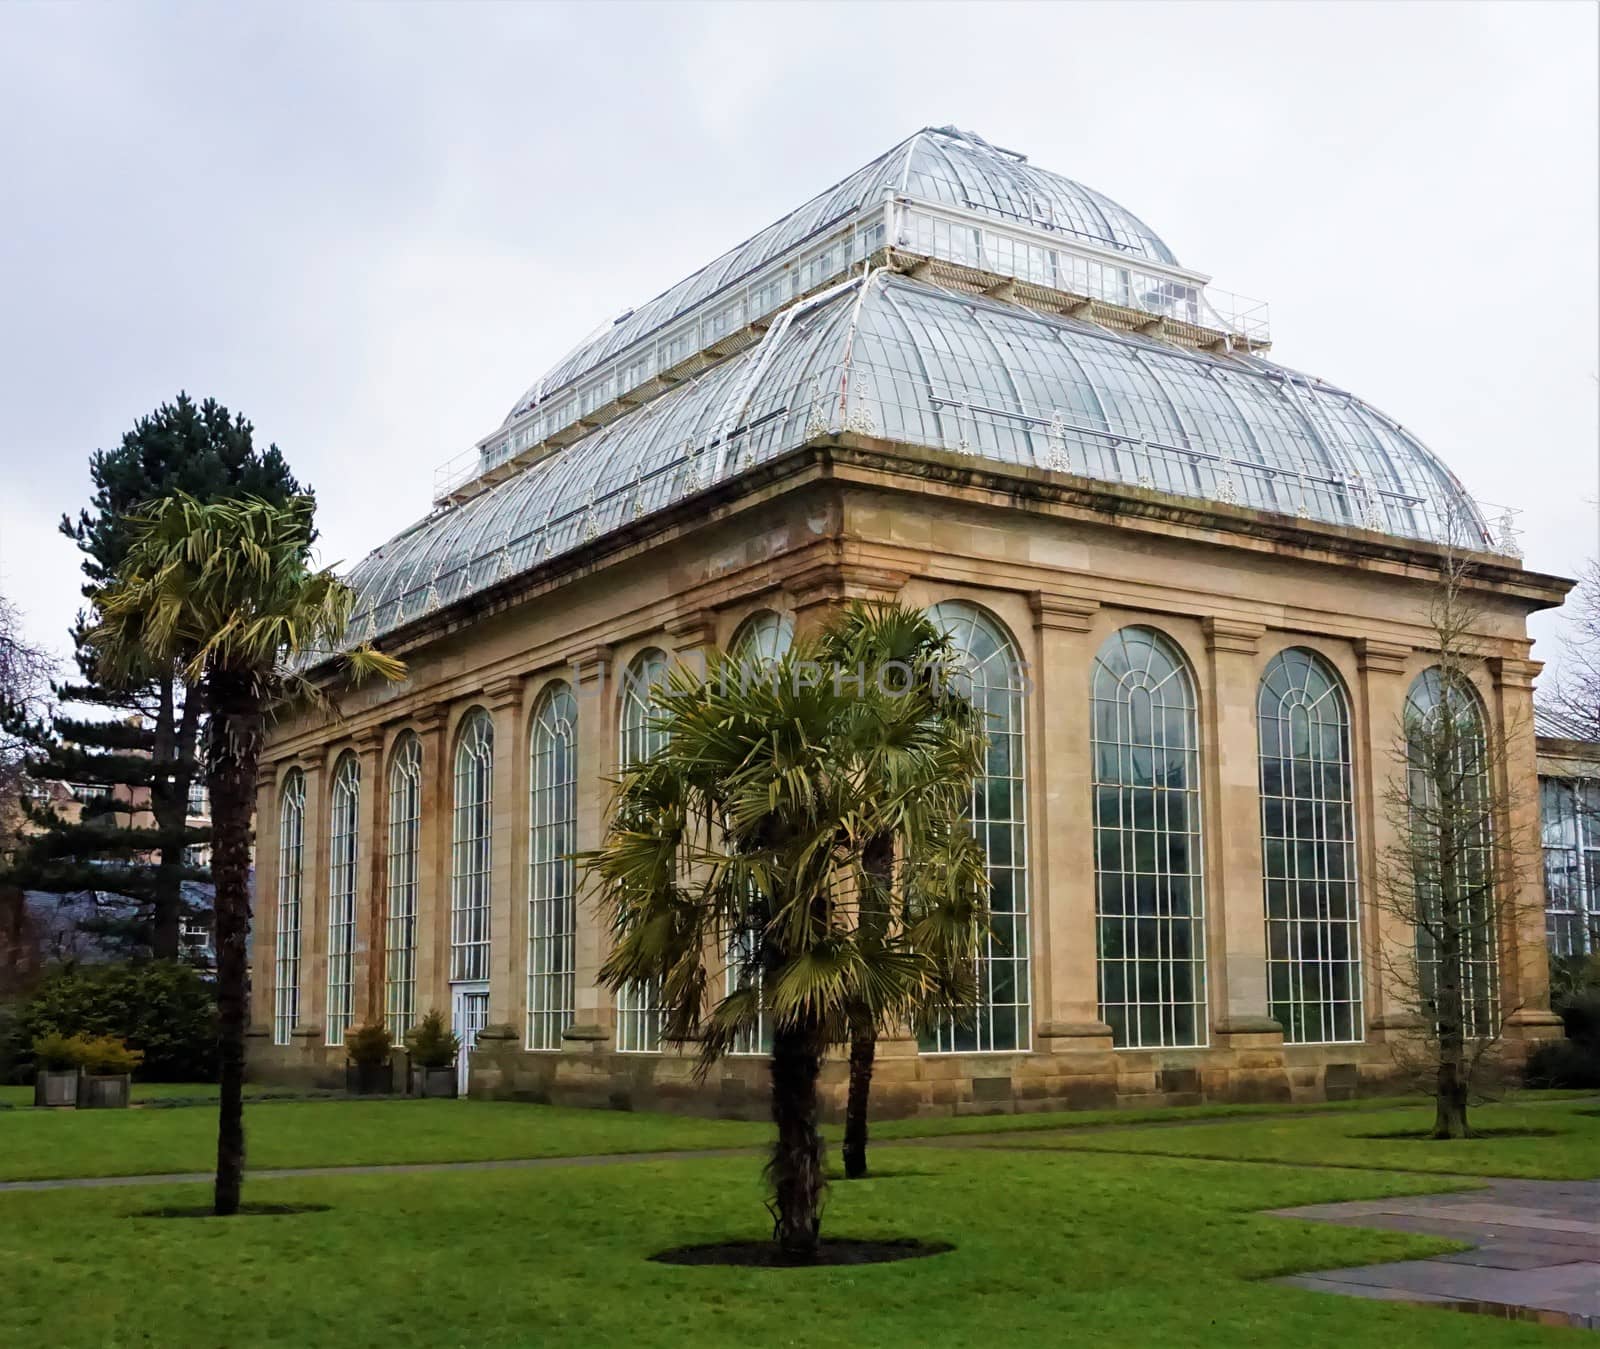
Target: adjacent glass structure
(472,845)
(1570,812)
(552,825)
(1150,904)
(1451,845)
(993,678)
(639,1014)
(291,881)
(343,829)
(405,820)
(1308,851)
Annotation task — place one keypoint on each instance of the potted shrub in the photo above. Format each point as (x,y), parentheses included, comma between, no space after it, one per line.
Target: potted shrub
(368,1071)
(434,1048)
(107,1074)
(58,1061)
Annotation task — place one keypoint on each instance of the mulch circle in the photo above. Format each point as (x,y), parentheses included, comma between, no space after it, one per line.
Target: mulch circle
(245,1211)
(767,1255)
(1426,1135)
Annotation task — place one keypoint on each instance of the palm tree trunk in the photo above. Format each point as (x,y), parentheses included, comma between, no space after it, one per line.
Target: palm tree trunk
(863,1049)
(795,1170)
(232,751)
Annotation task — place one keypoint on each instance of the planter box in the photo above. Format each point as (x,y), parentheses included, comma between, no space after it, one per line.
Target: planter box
(434,1081)
(369,1079)
(103,1092)
(56,1086)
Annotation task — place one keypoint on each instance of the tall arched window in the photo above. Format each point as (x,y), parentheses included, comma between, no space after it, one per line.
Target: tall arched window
(343,826)
(1451,846)
(999,821)
(552,822)
(405,819)
(762,640)
(291,884)
(472,839)
(1149,899)
(1308,851)
(639,1005)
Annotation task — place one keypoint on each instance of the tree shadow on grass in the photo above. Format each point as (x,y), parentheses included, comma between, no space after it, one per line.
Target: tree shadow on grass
(768,1255)
(245,1211)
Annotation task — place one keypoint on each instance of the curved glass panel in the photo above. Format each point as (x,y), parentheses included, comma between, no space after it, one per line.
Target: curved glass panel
(291,893)
(343,827)
(405,823)
(472,843)
(1451,851)
(993,679)
(1308,851)
(764,638)
(1569,813)
(1150,899)
(552,823)
(639,1013)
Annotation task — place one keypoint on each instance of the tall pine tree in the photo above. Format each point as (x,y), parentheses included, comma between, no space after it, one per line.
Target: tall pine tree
(137,742)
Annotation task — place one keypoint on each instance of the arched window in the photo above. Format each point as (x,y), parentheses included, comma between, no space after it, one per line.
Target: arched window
(1450,848)
(552,822)
(343,826)
(405,819)
(999,821)
(1149,899)
(291,882)
(762,640)
(472,849)
(1308,851)
(639,1005)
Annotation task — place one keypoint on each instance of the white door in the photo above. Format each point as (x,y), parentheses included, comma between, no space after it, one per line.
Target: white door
(469,1015)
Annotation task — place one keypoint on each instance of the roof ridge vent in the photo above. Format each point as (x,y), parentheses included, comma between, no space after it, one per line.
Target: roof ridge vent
(973,138)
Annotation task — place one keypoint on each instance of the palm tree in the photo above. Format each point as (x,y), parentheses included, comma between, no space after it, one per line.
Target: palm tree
(226,591)
(744,834)
(918,742)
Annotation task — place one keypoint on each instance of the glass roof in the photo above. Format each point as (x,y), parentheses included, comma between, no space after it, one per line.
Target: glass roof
(898,358)
(938,164)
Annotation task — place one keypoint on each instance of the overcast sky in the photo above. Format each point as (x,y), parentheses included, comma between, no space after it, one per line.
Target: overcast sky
(370,227)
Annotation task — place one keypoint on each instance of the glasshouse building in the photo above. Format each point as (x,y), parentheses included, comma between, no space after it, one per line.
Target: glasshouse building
(1193,585)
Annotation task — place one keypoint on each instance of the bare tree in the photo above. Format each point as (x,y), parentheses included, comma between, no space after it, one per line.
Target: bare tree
(1452,874)
(25,672)
(1574,703)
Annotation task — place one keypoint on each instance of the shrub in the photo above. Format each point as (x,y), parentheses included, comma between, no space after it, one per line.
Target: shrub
(57,1053)
(1565,1063)
(1573,1063)
(369,1045)
(105,1055)
(163,1009)
(432,1043)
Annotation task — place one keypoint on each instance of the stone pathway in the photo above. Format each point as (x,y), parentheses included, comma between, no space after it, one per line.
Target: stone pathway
(1535,1256)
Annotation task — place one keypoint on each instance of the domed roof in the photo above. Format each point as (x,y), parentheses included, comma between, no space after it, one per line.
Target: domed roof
(938,164)
(947,370)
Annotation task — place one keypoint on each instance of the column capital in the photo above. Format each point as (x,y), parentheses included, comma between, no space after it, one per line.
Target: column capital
(838,581)
(504,692)
(1238,635)
(430,718)
(584,660)
(692,630)
(369,740)
(1514,672)
(1375,656)
(1062,612)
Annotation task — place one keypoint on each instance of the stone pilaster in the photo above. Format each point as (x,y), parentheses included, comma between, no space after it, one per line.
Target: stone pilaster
(1236,921)
(264,924)
(594,688)
(1524,964)
(1065,952)
(367,958)
(314,909)
(1387,940)
(508,900)
(434,826)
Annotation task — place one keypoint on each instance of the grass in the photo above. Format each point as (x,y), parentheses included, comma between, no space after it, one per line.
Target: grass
(1099,1248)
(1566,1146)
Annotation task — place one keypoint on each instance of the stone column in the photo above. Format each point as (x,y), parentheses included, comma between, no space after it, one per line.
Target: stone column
(1066,940)
(593,687)
(433,863)
(1524,963)
(1387,940)
(367,957)
(314,908)
(1236,921)
(508,907)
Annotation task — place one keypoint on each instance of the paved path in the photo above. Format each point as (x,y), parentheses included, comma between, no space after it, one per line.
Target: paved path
(1535,1256)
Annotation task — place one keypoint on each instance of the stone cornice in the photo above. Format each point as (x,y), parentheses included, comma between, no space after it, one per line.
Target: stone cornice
(1234,635)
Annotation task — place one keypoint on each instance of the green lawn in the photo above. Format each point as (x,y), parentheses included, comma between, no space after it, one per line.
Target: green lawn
(1569,1151)
(1051,1247)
